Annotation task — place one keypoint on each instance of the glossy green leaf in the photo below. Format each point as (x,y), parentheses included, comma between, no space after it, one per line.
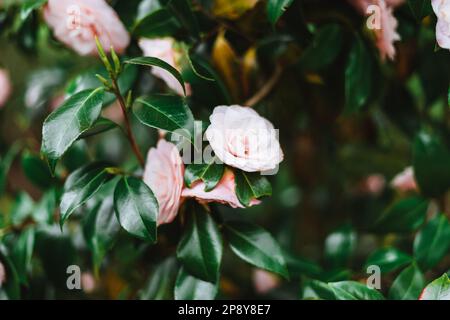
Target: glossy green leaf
(405,215)
(388,259)
(408,285)
(161,283)
(431,160)
(100,229)
(432,242)
(315,290)
(65,125)
(136,208)
(22,252)
(200,248)
(256,246)
(324,48)
(182,9)
(358,77)
(100,126)
(37,170)
(158,63)
(276,8)
(339,246)
(80,186)
(29,5)
(352,290)
(210,174)
(158,23)
(439,289)
(188,287)
(44,211)
(250,186)
(166,112)
(22,208)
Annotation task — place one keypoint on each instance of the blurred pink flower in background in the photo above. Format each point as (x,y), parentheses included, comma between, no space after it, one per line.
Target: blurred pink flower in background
(442,10)
(76,23)
(165,49)
(373,184)
(224,192)
(164,174)
(5,87)
(405,181)
(88,282)
(264,281)
(387,34)
(2,275)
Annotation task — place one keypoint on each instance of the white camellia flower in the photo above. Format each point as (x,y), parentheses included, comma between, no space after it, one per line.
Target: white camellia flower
(76,23)
(241,138)
(442,10)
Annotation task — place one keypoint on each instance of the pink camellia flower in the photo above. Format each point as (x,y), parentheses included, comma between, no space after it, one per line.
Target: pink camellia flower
(76,23)
(405,181)
(88,282)
(2,275)
(5,87)
(165,49)
(164,174)
(243,139)
(442,10)
(264,281)
(224,192)
(386,34)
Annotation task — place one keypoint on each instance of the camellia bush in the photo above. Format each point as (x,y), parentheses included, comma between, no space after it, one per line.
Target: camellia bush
(225,149)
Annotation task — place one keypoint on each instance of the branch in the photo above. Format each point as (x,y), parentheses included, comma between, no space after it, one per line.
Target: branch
(266,89)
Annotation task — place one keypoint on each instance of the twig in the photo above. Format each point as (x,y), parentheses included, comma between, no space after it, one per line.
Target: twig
(266,89)
(129,133)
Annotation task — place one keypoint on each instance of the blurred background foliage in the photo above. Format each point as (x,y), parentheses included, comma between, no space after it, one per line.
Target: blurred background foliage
(343,114)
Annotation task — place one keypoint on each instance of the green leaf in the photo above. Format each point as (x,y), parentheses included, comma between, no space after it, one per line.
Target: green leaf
(200,248)
(5,164)
(251,186)
(420,8)
(431,161)
(276,8)
(405,215)
(408,285)
(155,62)
(439,289)
(161,283)
(183,11)
(324,48)
(136,208)
(210,174)
(22,208)
(358,77)
(100,126)
(188,287)
(12,285)
(339,246)
(352,290)
(388,259)
(314,289)
(36,170)
(65,125)
(44,211)
(80,186)
(28,6)
(432,242)
(100,229)
(256,246)
(158,23)
(166,112)
(22,253)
